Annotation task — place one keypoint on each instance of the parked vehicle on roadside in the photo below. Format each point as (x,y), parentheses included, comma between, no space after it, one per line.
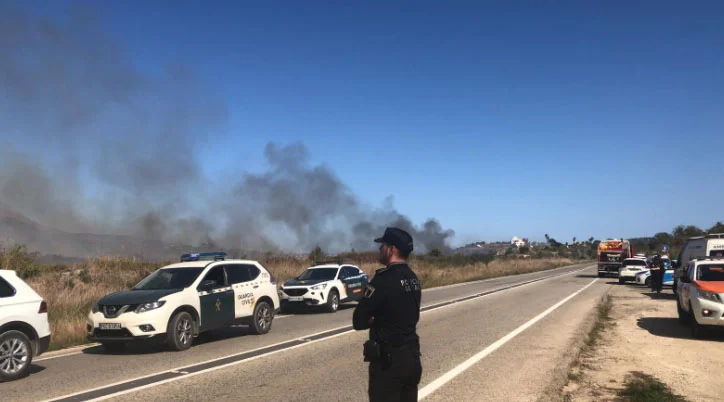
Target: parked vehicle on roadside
(24,328)
(644,278)
(630,267)
(205,291)
(700,297)
(711,245)
(610,254)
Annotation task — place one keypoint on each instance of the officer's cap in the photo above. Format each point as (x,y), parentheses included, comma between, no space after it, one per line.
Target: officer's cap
(398,238)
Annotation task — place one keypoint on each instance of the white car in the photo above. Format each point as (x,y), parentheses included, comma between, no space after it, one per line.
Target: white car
(644,277)
(24,328)
(630,267)
(177,302)
(700,294)
(324,285)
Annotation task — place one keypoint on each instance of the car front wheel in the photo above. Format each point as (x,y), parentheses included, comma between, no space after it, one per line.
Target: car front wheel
(333,301)
(262,318)
(180,331)
(15,355)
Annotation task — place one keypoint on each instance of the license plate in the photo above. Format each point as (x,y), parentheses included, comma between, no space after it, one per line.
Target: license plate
(110,325)
(296,298)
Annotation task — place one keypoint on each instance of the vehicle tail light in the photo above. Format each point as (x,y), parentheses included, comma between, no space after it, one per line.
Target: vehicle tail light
(43,307)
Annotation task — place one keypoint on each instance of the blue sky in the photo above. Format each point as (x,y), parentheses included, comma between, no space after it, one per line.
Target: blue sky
(496,118)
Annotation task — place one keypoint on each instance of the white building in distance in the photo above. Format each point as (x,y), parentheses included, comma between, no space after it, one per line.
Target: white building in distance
(518,242)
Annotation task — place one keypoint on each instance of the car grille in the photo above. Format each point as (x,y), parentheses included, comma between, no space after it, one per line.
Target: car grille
(112,333)
(295,292)
(113,311)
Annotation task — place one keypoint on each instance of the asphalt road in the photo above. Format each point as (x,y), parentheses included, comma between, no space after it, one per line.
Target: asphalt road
(499,338)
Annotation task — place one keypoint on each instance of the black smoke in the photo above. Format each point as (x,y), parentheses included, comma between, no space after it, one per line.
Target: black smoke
(91,143)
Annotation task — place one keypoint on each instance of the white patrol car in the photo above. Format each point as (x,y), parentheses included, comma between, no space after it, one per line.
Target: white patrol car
(203,292)
(326,285)
(630,267)
(700,297)
(24,328)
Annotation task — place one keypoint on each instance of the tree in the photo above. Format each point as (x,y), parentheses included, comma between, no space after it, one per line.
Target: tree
(718,228)
(435,253)
(316,254)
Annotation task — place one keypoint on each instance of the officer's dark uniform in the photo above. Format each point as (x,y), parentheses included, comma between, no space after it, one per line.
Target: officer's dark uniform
(393,299)
(657,275)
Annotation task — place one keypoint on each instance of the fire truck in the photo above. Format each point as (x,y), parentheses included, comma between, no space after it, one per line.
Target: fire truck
(610,255)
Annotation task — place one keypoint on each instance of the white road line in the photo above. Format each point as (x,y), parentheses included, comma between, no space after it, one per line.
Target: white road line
(205,362)
(71,351)
(92,345)
(302,338)
(447,377)
(498,290)
(455,285)
(291,315)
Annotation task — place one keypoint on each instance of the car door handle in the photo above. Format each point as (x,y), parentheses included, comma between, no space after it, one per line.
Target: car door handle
(256,286)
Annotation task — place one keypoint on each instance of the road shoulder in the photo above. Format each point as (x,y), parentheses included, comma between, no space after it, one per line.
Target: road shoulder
(646,341)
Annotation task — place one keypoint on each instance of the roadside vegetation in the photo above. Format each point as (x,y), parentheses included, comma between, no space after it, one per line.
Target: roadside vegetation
(602,322)
(640,387)
(585,385)
(72,289)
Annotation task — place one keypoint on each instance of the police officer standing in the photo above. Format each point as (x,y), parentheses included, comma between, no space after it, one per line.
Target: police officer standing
(390,309)
(657,274)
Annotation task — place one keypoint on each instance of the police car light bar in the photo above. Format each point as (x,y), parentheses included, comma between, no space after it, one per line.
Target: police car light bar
(338,262)
(203,256)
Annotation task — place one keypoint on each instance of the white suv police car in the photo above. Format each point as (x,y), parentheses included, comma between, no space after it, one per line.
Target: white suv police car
(24,329)
(203,292)
(326,285)
(700,294)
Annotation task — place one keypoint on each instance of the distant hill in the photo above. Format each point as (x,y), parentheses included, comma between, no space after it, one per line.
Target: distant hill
(481,248)
(52,243)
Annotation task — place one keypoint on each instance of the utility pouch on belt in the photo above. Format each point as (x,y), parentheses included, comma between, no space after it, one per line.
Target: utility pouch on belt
(372,351)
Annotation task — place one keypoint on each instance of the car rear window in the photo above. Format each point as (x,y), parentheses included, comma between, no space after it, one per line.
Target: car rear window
(635,262)
(6,290)
(710,272)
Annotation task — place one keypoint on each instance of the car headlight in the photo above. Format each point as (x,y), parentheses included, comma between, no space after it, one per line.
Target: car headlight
(709,296)
(142,308)
(321,286)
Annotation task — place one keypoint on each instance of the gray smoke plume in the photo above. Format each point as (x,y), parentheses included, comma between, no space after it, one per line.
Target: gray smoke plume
(93,144)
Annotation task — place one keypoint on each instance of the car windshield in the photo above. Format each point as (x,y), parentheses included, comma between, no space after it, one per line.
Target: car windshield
(716,253)
(710,272)
(319,273)
(170,278)
(635,262)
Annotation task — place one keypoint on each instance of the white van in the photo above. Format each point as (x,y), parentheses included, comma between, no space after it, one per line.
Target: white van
(711,245)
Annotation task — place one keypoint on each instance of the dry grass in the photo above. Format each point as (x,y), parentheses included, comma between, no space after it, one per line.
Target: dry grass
(72,290)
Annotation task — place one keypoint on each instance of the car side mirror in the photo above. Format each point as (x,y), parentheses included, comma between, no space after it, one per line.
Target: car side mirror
(207,285)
